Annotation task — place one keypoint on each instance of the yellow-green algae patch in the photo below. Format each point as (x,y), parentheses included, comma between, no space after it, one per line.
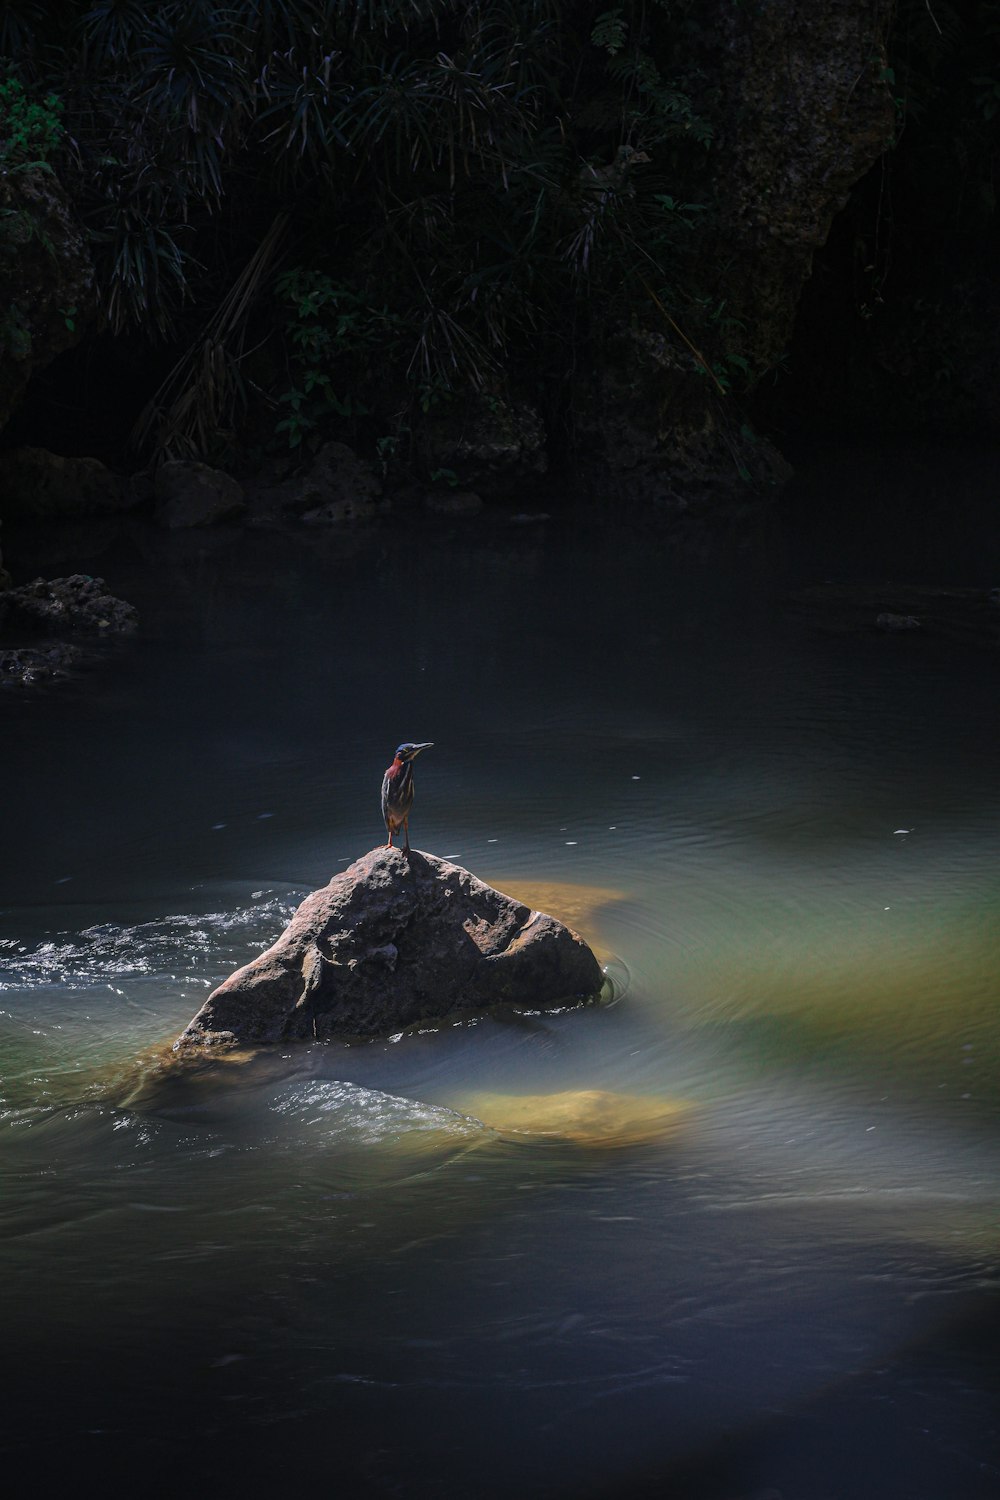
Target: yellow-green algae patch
(579,906)
(586,1117)
(914,988)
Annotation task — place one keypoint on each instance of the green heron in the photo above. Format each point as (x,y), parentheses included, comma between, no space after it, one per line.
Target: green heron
(397,790)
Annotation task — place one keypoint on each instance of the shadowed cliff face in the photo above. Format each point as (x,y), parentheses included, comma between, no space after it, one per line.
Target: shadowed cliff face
(801,110)
(807,112)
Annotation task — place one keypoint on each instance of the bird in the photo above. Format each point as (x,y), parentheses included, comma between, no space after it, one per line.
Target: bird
(397,790)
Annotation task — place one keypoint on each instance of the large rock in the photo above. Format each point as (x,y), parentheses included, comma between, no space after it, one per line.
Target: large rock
(393,940)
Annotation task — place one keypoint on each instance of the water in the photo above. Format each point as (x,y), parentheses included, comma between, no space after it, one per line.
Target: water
(330,1262)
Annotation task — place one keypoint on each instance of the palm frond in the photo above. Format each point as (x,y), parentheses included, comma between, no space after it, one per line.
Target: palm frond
(194,405)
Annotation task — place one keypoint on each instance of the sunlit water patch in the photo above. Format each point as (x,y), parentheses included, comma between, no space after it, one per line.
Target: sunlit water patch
(518,1252)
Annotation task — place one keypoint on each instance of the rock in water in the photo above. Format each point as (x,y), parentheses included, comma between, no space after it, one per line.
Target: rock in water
(393,940)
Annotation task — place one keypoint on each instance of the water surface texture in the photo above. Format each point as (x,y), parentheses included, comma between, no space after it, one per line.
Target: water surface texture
(743,1236)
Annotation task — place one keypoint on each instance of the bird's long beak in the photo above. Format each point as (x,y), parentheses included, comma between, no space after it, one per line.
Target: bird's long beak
(427,745)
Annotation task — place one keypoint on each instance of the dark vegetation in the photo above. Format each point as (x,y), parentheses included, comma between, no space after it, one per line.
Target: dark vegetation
(315,218)
(349,211)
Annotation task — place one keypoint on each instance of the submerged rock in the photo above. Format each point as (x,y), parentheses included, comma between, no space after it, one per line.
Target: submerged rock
(586,1117)
(27,665)
(396,939)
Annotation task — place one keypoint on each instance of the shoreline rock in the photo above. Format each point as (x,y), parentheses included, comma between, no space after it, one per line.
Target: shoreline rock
(78,603)
(46,608)
(393,940)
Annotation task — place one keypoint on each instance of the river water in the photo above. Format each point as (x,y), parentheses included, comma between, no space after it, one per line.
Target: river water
(330,1263)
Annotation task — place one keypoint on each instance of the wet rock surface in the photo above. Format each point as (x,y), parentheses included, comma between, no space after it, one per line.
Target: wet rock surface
(393,940)
(79,603)
(25,666)
(32,615)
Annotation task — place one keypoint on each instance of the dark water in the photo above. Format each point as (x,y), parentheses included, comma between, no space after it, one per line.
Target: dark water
(328,1265)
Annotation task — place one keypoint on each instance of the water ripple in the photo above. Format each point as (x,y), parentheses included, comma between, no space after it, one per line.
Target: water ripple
(108,950)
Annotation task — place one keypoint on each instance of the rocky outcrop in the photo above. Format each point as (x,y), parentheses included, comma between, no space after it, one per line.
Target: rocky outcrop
(808,111)
(38,485)
(393,940)
(47,288)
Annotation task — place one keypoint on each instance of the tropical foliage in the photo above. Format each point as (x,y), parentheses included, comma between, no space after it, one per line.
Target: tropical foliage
(426,194)
(348,211)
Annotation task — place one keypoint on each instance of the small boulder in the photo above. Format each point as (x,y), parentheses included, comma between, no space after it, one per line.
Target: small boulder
(393,940)
(189,493)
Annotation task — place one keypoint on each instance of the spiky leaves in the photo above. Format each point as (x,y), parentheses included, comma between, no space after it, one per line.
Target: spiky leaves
(479,179)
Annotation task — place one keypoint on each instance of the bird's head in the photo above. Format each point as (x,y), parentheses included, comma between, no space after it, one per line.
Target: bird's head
(410,751)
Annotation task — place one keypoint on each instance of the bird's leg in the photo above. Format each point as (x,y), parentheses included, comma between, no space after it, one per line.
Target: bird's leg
(389,844)
(406,831)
